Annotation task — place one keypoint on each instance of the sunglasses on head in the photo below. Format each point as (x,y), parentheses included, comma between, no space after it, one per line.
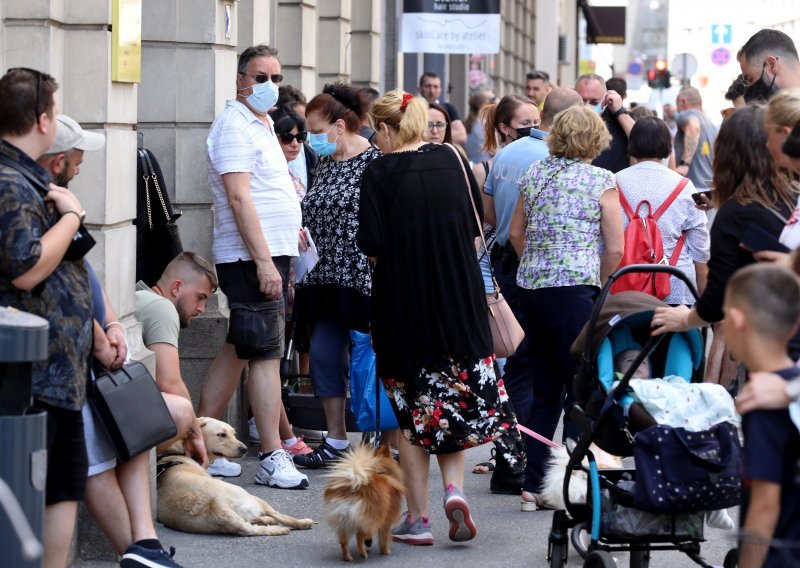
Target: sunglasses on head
(38,74)
(287,137)
(262,78)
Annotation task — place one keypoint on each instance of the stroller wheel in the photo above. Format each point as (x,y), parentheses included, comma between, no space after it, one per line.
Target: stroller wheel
(599,559)
(731,559)
(558,554)
(640,558)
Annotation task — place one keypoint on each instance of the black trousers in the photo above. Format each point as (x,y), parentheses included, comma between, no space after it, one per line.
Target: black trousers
(553,318)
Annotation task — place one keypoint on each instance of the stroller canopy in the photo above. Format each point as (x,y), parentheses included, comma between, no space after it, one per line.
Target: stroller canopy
(622,323)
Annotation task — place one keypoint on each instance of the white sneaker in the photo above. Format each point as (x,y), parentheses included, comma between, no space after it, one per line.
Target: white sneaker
(277,470)
(255,439)
(720,519)
(221,467)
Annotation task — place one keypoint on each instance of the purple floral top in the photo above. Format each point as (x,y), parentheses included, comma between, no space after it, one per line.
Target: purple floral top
(563,241)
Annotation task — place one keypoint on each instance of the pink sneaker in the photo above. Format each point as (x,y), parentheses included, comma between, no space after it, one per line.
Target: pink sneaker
(300,448)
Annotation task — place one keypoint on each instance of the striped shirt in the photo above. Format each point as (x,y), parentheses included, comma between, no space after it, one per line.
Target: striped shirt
(240,142)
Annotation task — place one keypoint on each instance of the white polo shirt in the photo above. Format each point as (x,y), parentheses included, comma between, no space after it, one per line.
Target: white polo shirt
(240,142)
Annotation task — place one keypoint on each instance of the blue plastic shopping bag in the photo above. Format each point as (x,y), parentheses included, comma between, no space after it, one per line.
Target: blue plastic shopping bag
(363,389)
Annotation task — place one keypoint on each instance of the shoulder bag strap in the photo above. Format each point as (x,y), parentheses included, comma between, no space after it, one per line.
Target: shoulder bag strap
(475,212)
(783,219)
(672,197)
(146,177)
(626,207)
(157,186)
(676,252)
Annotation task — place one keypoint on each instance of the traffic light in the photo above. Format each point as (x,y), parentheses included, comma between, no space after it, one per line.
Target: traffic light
(659,76)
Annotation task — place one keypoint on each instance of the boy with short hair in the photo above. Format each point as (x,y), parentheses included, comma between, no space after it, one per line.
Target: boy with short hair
(762,307)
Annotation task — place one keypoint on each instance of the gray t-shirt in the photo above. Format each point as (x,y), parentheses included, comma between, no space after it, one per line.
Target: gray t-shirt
(158,316)
(700,171)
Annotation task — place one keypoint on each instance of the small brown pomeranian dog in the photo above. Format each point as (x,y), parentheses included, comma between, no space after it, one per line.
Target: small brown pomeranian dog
(363,497)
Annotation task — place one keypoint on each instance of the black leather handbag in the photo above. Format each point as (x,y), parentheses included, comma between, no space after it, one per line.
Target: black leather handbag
(158,240)
(130,409)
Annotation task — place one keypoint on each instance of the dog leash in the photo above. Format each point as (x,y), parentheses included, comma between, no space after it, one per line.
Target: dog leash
(536,436)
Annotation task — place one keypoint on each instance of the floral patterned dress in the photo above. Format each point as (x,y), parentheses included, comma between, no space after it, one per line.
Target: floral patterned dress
(338,287)
(458,406)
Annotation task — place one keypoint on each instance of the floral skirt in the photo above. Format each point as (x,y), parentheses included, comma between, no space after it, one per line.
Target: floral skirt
(459,406)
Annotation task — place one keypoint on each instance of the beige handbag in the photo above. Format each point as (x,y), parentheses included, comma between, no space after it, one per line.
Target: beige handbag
(507,334)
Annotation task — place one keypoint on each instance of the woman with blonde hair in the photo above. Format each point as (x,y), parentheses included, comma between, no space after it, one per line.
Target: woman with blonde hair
(567,232)
(429,318)
(781,119)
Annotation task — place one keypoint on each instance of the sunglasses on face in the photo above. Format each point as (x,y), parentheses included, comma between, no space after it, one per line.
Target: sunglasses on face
(39,76)
(287,137)
(262,78)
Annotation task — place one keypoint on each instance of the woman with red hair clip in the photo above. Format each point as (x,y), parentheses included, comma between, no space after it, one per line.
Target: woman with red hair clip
(419,216)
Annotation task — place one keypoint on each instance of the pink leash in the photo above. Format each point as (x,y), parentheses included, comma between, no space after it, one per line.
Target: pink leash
(536,436)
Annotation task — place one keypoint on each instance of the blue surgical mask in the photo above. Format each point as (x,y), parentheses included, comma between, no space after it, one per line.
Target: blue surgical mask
(263,97)
(598,108)
(320,143)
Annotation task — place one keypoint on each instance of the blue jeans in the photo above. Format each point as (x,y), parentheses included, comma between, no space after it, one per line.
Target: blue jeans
(328,358)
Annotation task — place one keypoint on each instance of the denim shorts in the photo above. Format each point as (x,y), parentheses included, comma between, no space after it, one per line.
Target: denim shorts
(257,324)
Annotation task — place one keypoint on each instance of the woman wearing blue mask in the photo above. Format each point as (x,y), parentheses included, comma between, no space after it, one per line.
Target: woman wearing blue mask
(335,295)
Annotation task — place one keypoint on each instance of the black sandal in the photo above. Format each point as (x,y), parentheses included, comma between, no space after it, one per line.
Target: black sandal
(489,465)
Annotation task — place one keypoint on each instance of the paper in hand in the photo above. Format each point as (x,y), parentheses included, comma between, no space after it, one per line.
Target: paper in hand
(308,258)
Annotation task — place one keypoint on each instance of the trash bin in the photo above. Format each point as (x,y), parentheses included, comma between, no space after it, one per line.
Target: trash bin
(23,340)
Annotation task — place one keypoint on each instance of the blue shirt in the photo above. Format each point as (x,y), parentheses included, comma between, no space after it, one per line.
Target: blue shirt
(772,454)
(508,167)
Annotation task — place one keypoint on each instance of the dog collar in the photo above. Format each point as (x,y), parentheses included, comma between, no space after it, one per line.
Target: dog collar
(162,467)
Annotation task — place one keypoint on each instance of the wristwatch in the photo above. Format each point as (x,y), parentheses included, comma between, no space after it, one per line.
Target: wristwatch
(683,163)
(621,110)
(793,390)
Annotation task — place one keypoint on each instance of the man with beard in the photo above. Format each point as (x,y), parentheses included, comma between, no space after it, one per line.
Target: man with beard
(170,305)
(769,63)
(117,494)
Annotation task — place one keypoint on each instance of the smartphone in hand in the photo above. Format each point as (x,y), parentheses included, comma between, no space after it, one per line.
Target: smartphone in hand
(696,196)
(757,239)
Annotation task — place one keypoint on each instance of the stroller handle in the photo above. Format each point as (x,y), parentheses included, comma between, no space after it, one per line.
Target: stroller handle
(632,269)
(653,268)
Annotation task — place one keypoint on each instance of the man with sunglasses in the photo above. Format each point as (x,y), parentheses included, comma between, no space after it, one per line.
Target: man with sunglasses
(257,222)
(769,63)
(37,223)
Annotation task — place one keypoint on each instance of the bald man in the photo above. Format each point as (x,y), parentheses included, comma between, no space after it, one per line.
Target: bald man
(694,141)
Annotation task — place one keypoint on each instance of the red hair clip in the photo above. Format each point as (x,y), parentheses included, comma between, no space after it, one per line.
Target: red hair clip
(406,97)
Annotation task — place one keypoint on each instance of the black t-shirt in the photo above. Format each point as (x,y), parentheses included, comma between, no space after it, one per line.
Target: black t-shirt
(615,157)
(772,454)
(452,111)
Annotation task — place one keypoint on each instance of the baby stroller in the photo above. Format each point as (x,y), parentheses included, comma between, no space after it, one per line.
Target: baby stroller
(615,515)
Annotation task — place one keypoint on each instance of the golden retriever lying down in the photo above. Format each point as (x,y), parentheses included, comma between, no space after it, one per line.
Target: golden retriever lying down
(190,500)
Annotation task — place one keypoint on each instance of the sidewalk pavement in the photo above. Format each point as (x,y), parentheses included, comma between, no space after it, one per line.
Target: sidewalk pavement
(507,537)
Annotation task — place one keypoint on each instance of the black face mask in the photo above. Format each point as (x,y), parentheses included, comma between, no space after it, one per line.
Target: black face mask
(523,132)
(759,91)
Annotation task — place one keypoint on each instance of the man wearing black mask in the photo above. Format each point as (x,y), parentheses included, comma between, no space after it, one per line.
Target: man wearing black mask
(769,63)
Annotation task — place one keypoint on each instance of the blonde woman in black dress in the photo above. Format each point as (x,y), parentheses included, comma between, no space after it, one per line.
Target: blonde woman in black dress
(429,319)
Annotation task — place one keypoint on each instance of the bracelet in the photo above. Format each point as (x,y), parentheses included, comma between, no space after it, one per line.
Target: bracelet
(78,215)
(122,327)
